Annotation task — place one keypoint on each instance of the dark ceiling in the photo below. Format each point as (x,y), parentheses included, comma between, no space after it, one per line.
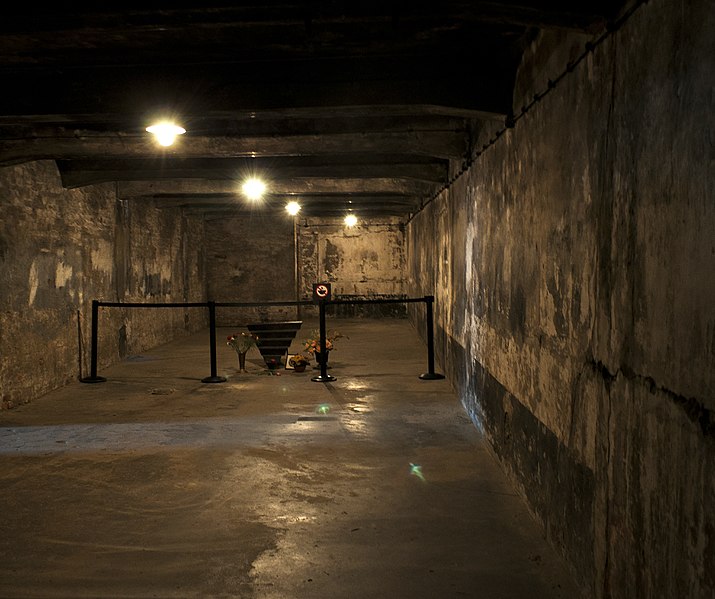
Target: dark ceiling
(343,105)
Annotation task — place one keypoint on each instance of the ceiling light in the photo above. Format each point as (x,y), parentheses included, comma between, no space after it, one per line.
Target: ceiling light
(293,208)
(254,188)
(165,132)
(350,220)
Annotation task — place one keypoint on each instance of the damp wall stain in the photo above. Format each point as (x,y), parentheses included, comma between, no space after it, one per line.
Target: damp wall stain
(65,248)
(266,258)
(363,262)
(580,333)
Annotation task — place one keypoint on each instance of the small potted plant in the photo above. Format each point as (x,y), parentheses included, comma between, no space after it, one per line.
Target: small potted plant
(298,362)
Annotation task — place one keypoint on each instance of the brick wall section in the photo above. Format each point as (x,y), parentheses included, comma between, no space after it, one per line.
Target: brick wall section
(59,250)
(573,268)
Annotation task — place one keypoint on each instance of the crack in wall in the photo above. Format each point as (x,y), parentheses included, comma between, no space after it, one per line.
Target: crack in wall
(694,409)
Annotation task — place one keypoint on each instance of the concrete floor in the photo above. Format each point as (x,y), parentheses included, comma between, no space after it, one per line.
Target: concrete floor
(154,484)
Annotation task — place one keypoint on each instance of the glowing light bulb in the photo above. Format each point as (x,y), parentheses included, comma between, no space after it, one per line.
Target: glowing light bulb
(293,208)
(254,188)
(165,132)
(351,220)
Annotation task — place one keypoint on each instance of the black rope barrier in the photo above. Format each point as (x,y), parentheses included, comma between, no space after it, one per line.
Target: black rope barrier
(262,304)
(391,300)
(152,305)
(211,305)
(430,375)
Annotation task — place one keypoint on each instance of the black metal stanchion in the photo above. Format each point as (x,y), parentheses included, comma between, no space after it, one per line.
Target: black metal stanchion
(214,378)
(430,375)
(324,377)
(93,378)
(79,343)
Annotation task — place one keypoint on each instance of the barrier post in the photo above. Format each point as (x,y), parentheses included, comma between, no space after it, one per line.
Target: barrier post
(214,378)
(93,378)
(324,377)
(430,375)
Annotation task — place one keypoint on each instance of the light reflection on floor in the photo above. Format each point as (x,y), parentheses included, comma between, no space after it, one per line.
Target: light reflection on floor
(27,440)
(354,385)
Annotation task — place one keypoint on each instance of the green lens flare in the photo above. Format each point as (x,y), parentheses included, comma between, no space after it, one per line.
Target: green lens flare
(416,469)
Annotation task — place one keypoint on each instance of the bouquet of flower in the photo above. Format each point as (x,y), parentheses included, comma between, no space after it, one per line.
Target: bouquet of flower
(298,360)
(242,342)
(312,344)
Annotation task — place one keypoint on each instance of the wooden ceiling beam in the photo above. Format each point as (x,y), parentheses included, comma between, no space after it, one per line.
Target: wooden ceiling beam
(426,173)
(322,212)
(297,23)
(440,144)
(366,105)
(281,200)
(294,187)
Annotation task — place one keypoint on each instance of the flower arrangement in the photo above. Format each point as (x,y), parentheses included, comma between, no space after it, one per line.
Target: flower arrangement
(298,360)
(312,344)
(242,342)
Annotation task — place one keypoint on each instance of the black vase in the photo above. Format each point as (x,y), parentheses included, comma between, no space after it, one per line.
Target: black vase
(319,357)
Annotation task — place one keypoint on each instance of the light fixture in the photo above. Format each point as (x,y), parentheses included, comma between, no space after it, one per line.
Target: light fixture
(350,220)
(293,208)
(253,188)
(166,132)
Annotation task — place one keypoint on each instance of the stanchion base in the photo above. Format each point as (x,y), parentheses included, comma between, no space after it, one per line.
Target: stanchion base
(323,379)
(431,376)
(214,379)
(93,379)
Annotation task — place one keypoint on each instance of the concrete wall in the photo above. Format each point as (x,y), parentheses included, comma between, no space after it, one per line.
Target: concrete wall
(59,250)
(362,262)
(253,259)
(573,267)
(250,258)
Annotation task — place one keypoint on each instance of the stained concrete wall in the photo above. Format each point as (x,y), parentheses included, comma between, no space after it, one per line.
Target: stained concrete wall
(573,267)
(258,258)
(59,250)
(362,262)
(251,259)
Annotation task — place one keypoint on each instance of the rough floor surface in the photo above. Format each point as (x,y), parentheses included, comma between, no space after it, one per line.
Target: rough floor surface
(154,484)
